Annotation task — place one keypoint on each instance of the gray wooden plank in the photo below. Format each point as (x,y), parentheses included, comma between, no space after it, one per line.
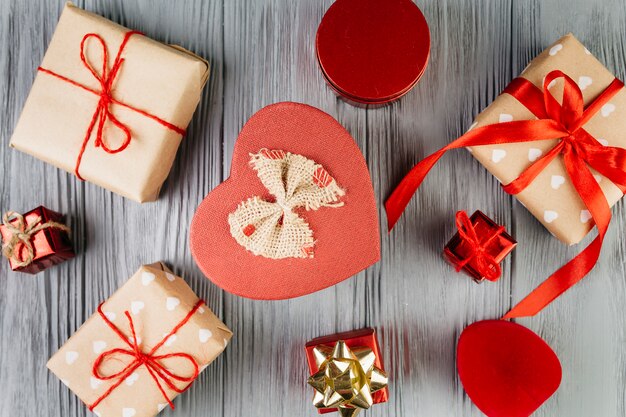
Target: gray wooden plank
(465,74)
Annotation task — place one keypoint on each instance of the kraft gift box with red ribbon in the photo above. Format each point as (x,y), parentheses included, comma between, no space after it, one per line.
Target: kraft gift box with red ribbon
(555,139)
(110,105)
(143,346)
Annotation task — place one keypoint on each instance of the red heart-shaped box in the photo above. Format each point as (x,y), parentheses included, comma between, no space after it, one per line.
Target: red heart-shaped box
(506,369)
(347,238)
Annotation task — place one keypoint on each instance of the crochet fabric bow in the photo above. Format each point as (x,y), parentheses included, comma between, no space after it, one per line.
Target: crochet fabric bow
(272,229)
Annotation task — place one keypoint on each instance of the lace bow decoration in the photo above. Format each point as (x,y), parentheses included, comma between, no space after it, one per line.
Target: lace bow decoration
(273,229)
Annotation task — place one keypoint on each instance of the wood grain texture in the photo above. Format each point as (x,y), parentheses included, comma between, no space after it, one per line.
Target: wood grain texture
(262,52)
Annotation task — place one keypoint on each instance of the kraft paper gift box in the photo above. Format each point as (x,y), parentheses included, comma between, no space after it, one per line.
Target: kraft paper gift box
(551,197)
(157,301)
(155,80)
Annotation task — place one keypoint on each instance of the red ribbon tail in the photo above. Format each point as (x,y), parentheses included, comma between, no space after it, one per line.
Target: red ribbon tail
(511,132)
(559,282)
(576,269)
(400,197)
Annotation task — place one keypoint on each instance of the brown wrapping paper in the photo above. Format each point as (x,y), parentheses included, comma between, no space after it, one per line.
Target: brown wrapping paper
(162,80)
(551,197)
(157,301)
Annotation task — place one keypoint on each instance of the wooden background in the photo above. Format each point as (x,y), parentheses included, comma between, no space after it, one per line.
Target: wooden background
(262,52)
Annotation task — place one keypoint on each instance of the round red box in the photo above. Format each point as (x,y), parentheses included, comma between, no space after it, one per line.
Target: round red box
(373,52)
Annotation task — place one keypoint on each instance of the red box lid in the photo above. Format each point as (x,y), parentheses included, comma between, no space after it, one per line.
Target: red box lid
(373,51)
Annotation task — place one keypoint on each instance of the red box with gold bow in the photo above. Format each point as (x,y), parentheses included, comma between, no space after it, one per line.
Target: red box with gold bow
(36,240)
(110,105)
(479,246)
(353,361)
(145,345)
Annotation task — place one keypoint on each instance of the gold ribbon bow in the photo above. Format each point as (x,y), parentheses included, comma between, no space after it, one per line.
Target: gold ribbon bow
(22,235)
(272,229)
(346,379)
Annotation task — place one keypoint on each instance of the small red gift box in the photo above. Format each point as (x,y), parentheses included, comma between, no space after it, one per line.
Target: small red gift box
(479,246)
(51,245)
(353,339)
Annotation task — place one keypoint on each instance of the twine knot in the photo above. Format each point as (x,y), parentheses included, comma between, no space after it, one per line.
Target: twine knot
(273,227)
(22,235)
(153,362)
(106,77)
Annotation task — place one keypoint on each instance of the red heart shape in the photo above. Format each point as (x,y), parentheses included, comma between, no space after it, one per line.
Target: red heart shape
(506,369)
(347,238)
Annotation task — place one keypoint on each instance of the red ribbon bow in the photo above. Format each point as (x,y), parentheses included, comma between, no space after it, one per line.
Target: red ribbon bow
(106,78)
(486,265)
(580,151)
(150,360)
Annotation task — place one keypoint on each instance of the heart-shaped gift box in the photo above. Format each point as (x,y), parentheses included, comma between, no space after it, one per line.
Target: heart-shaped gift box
(346,238)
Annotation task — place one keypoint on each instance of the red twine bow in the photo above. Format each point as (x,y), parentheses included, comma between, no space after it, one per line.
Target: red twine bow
(580,151)
(103,111)
(485,264)
(150,360)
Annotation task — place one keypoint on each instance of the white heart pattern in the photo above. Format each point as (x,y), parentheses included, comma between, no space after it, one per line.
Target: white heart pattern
(170,277)
(551,84)
(585,216)
(128,412)
(71,356)
(584,82)
(555,49)
(131,340)
(110,315)
(136,306)
(132,378)
(607,109)
(498,155)
(171,303)
(99,346)
(201,310)
(587,51)
(94,382)
(161,407)
(604,142)
(204,335)
(66,382)
(550,215)
(534,154)
(556,181)
(598,178)
(147,277)
(169,340)
(504,117)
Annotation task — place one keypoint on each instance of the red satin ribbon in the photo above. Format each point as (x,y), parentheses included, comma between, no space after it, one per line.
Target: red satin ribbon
(150,360)
(486,265)
(580,151)
(103,112)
